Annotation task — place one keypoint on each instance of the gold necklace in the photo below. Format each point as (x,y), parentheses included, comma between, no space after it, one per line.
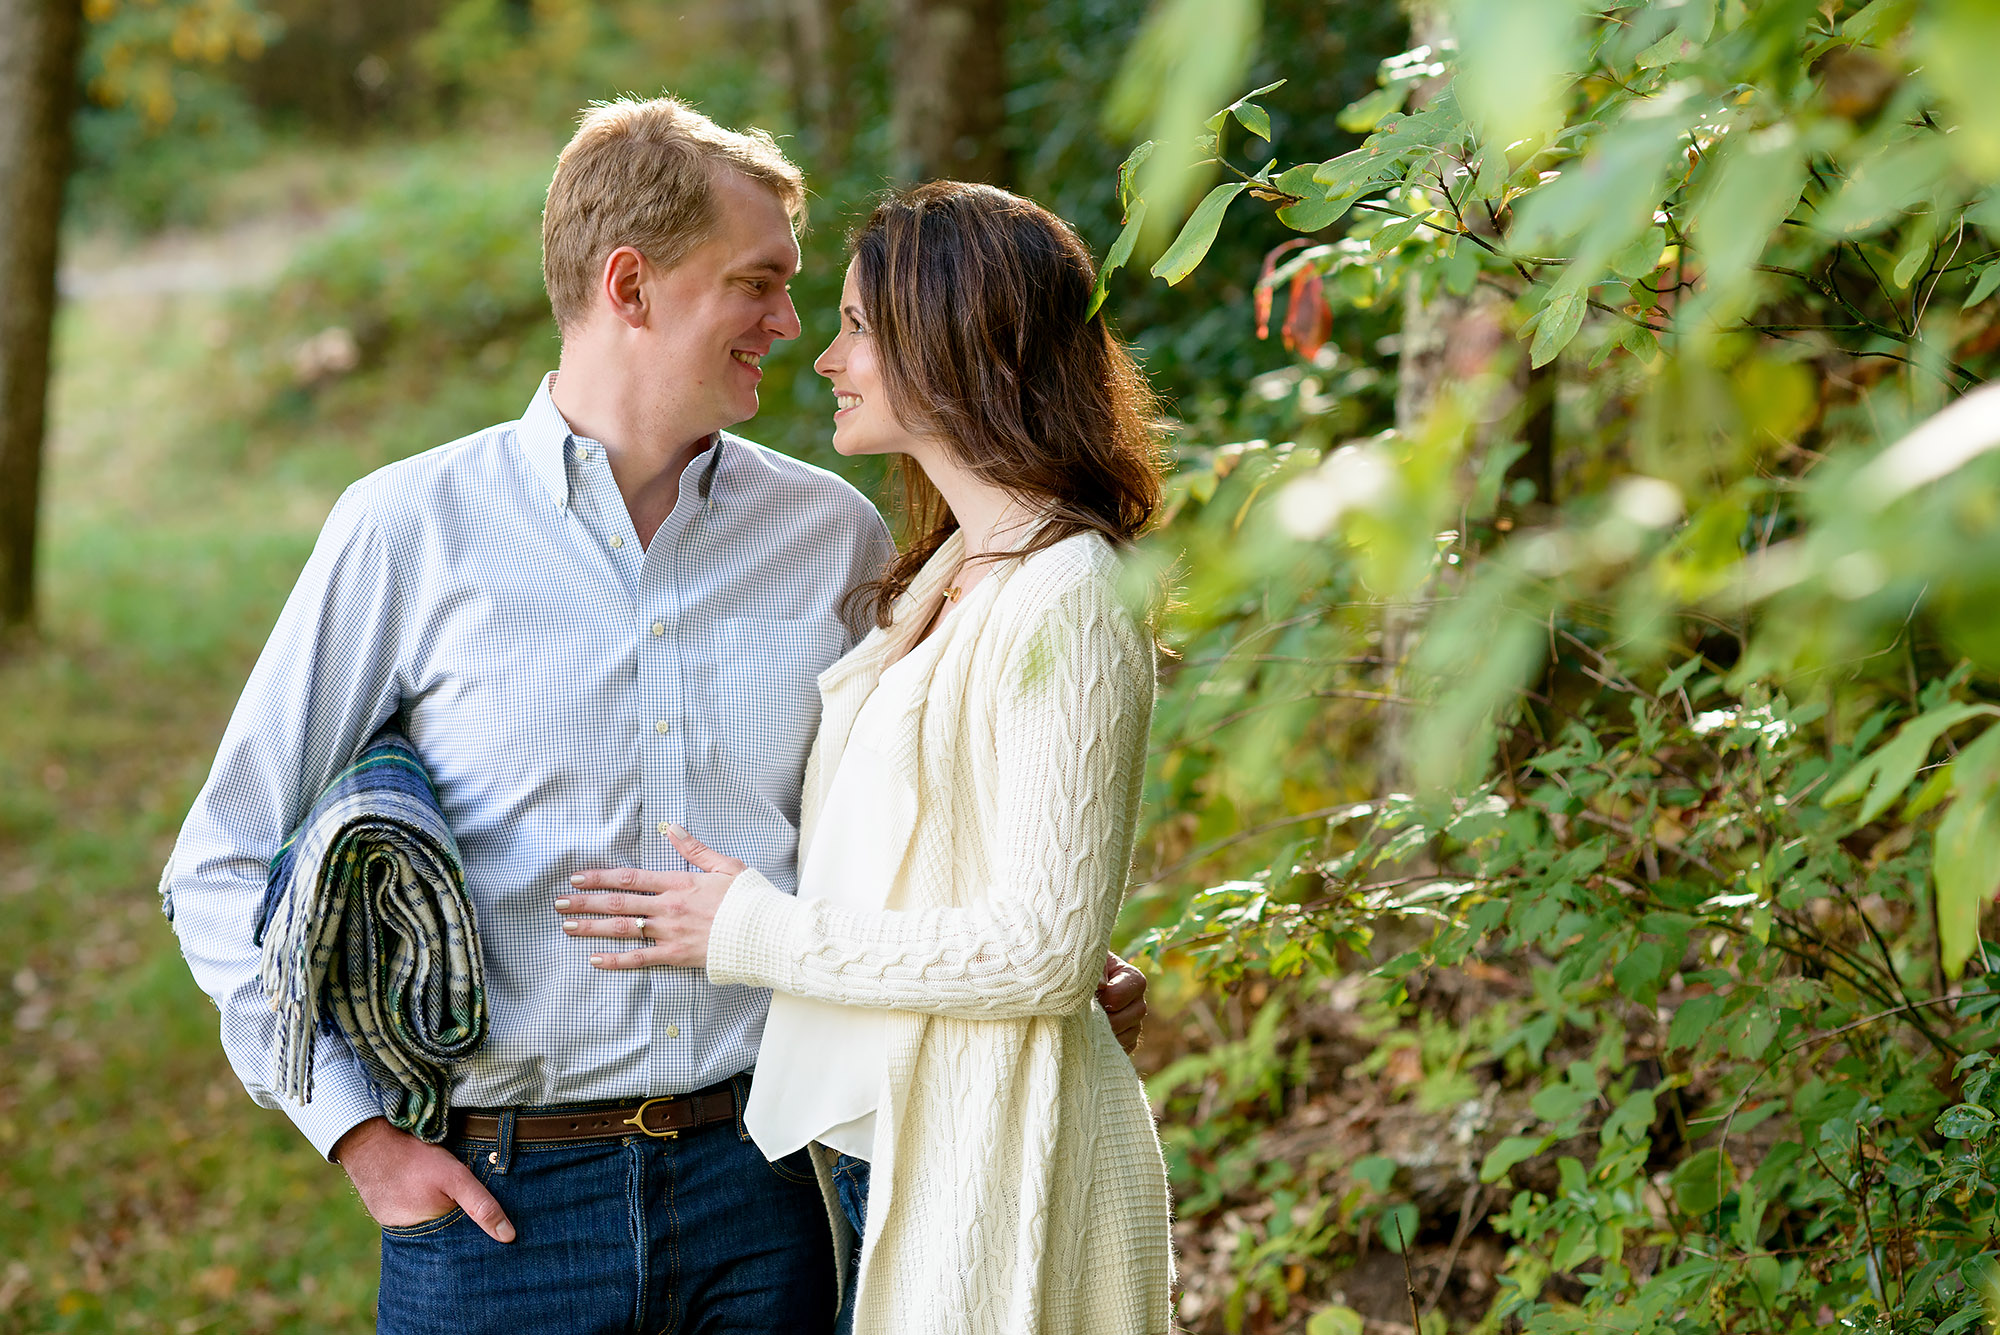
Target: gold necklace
(952,593)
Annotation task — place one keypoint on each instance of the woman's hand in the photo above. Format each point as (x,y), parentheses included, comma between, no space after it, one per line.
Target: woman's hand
(671,911)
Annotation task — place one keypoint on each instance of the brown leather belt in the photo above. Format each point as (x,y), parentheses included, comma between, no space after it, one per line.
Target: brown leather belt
(663,1119)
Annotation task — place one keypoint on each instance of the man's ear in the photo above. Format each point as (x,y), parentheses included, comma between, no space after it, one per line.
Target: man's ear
(622,284)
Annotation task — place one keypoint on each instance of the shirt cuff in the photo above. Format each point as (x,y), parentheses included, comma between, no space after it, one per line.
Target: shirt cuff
(749,941)
(342,1098)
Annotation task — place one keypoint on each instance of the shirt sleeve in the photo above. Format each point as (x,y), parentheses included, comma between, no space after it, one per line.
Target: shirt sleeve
(328,677)
(1072,721)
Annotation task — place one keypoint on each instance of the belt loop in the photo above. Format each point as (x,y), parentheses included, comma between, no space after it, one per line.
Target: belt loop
(505,1149)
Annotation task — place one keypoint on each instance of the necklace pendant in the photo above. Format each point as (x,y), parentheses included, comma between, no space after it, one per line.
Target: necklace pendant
(952,592)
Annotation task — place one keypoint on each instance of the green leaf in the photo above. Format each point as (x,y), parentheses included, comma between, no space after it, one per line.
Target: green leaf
(1398,1227)
(1879,21)
(1130,169)
(1335,1320)
(1702,1181)
(1752,184)
(1253,117)
(1511,1151)
(1955,42)
(1395,234)
(1915,257)
(1377,1170)
(1966,854)
(1965,1121)
(1121,251)
(1561,317)
(1314,215)
(1694,1019)
(1989,281)
(1559,1103)
(1887,770)
(1317,208)
(1363,116)
(1197,234)
(1631,1119)
(1638,974)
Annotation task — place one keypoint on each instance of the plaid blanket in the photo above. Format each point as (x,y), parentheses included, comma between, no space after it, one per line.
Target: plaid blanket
(367,932)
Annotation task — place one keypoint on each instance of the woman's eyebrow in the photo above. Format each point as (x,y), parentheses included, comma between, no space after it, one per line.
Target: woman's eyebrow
(852,312)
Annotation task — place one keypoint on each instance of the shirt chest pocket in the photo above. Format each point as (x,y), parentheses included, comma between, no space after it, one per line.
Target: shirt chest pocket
(766,698)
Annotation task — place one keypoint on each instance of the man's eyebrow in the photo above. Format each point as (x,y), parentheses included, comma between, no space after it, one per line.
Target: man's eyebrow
(784,267)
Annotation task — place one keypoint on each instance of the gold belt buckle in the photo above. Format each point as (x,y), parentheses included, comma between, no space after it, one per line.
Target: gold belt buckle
(638,1119)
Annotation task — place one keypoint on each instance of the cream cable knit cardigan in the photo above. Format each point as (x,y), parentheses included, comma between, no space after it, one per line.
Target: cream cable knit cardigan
(1017,1184)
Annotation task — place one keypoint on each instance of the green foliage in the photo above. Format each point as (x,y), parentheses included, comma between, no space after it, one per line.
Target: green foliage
(161,116)
(1683,733)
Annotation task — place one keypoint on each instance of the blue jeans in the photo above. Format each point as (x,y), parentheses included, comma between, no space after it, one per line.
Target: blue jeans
(850,1184)
(621,1237)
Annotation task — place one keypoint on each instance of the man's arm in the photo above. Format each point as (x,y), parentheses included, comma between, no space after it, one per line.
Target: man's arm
(328,677)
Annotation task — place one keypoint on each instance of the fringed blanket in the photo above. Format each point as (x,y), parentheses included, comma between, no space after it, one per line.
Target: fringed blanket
(367,932)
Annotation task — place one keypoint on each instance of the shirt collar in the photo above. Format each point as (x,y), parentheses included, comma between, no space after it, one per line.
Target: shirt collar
(544,439)
(545,436)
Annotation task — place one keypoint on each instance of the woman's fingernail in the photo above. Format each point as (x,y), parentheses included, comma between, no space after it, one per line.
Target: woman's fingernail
(562,903)
(576,879)
(570,926)
(597,959)
(676,831)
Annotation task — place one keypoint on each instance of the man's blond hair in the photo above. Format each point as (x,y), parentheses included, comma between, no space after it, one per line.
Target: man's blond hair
(642,174)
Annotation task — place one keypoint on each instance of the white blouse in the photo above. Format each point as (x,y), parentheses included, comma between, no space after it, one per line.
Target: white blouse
(821,1064)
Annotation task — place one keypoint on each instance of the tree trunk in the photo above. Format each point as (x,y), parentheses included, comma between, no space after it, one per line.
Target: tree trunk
(823,62)
(38,54)
(950,82)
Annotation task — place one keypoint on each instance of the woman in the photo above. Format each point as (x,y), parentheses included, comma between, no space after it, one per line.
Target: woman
(969,808)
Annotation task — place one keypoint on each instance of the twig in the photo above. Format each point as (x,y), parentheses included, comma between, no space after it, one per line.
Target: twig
(1474,1193)
(1409,1278)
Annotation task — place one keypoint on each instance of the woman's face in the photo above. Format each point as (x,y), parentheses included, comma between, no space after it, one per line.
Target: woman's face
(862,421)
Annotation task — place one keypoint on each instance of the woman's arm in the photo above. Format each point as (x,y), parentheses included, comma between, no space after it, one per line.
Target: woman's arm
(1075,703)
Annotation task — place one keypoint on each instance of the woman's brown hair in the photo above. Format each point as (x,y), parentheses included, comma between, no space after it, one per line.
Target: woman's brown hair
(976,302)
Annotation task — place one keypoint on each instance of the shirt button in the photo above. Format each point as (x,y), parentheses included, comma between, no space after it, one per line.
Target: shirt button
(617,541)
(659,628)
(661,726)
(673,1031)
(583,455)
(664,828)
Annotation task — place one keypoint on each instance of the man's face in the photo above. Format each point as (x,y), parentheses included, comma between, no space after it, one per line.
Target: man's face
(716,314)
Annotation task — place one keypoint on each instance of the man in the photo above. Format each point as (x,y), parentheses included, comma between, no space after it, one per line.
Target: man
(598,621)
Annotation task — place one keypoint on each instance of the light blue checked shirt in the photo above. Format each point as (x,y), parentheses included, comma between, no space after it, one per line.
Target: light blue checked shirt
(570,693)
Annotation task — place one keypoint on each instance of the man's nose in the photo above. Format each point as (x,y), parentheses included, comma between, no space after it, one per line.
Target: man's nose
(784,321)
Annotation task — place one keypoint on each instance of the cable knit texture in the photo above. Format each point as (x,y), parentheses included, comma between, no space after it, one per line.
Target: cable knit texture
(1017,1184)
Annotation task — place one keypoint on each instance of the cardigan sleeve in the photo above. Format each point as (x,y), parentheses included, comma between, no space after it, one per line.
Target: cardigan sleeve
(1072,718)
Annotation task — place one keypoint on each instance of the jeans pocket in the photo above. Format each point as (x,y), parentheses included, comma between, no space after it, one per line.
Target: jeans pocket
(796,1168)
(426,1228)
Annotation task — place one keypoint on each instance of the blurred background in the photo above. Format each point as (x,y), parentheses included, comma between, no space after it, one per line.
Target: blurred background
(1573,811)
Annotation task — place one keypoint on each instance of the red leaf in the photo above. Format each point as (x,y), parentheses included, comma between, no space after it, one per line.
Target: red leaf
(1263,294)
(1309,320)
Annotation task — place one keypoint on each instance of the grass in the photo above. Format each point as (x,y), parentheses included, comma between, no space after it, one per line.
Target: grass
(140,1189)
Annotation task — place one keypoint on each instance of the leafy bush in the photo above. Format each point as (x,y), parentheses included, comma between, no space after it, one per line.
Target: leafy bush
(1630,677)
